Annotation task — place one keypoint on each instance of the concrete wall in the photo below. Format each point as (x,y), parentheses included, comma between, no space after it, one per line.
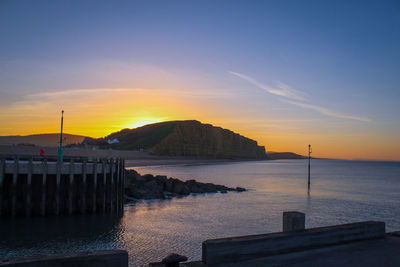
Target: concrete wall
(236,249)
(35,186)
(101,258)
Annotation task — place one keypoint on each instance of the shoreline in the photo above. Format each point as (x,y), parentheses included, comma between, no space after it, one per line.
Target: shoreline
(132,158)
(135,163)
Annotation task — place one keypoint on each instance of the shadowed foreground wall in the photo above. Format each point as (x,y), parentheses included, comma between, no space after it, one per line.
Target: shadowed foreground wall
(41,186)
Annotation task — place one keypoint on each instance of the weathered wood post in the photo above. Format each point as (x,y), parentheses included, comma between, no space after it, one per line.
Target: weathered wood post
(104,184)
(94,185)
(83,189)
(71,185)
(44,187)
(19,198)
(14,188)
(112,185)
(123,186)
(2,172)
(28,204)
(293,221)
(120,188)
(117,161)
(58,181)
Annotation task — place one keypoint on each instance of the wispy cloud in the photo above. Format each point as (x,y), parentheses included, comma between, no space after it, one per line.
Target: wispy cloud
(289,94)
(325,111)
(282,89)
(215,93)
(73,92)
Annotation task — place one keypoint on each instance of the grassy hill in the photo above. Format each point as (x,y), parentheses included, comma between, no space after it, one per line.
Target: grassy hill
(51,139)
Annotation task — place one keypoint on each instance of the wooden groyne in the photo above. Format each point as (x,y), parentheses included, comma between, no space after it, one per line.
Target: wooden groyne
(40,186)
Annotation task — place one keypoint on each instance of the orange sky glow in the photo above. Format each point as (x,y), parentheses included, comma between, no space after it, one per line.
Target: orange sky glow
(284,74)
(99,112)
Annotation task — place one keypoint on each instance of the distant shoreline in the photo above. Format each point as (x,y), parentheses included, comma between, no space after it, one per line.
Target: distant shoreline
(132,158)
(140,158)
(165,162)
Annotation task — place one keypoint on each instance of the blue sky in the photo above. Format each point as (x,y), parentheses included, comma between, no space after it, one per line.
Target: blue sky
(306,68)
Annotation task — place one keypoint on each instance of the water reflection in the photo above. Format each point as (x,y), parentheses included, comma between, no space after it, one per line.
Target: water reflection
(150,230)
(41,235)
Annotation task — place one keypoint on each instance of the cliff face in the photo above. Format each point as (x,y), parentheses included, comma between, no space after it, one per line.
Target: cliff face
(182,138)
(192,138)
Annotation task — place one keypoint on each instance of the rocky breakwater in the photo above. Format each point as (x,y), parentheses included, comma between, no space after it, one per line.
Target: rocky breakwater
(160,187)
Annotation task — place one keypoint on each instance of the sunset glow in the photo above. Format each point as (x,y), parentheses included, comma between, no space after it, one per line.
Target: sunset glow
(285,85)
(143,121)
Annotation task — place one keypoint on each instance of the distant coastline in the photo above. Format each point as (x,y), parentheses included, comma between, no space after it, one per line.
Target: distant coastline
(134,158)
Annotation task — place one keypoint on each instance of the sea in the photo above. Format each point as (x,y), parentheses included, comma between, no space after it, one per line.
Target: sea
(341,192)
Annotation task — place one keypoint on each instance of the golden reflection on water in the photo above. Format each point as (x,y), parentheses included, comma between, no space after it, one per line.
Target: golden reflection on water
(150,230)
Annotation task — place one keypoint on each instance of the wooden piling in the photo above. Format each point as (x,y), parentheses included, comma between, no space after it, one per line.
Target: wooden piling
(104,163)
(14,188)
(117,185)
(94,185)
(2,172)
(83,189)
(122,196)
(44,187)
(57,192)
(28,196)
(28,204)
(71,185)
(112,185)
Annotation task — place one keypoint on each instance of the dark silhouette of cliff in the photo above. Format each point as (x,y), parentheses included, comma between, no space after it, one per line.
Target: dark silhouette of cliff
(183,138)
(51,139)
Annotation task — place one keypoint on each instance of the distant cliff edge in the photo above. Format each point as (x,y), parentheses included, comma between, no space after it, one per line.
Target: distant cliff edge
(182,138)
(52,139)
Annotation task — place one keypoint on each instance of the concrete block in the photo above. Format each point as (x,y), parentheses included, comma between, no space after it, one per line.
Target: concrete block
(293,221)
(235,249)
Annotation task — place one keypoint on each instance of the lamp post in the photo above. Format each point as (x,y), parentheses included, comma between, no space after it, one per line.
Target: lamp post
(60,149)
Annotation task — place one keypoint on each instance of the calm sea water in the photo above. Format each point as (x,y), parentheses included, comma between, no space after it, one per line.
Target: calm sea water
(341,192)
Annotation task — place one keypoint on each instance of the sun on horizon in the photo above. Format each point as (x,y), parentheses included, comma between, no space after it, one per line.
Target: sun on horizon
(143,121)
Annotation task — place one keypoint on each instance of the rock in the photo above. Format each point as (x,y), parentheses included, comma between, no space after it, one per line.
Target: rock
(169,195)
(134,192)
(153,186)
(185,190)
(148,177)
(169,185)
(240,189)
(174,258)
(132,176)
(193,186)
(160,187)
(161,179)
(178,186)
(210,188)
(221,187)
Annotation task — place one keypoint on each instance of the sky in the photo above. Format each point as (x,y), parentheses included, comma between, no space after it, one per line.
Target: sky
(285,73)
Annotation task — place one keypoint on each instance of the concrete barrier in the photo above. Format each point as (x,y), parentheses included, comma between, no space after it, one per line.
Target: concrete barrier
(101,258)
(241,248)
